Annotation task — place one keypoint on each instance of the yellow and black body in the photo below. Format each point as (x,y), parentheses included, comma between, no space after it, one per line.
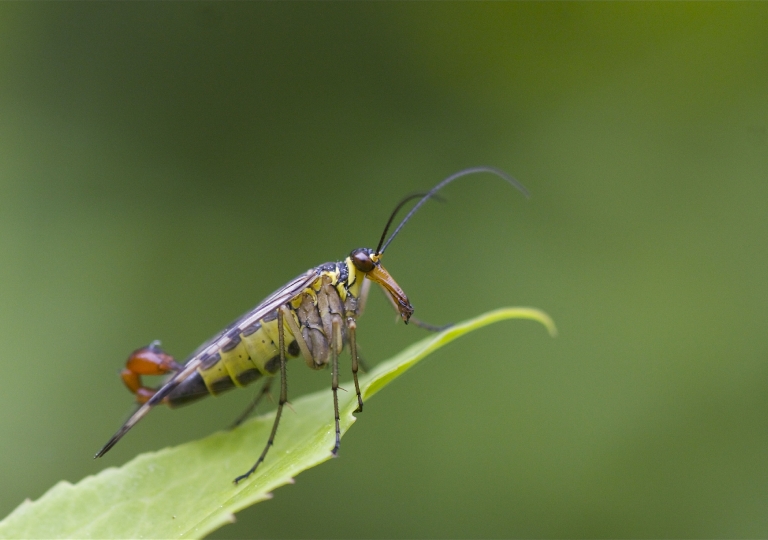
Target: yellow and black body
(313,316)
(248,349)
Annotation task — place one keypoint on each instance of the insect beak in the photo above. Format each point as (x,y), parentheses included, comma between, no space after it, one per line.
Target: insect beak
(382,277)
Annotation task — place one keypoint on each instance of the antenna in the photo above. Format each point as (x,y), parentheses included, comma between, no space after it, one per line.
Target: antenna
(471,170)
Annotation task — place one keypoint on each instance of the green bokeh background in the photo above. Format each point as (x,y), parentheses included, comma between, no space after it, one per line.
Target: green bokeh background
(163,167)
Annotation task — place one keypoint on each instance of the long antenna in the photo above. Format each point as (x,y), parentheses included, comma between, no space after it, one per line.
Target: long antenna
(471,170)
(396,210)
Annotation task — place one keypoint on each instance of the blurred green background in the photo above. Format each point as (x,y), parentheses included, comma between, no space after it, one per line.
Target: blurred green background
(165,166)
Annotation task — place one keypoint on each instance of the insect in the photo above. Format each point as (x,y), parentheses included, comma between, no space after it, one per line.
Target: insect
(314,316)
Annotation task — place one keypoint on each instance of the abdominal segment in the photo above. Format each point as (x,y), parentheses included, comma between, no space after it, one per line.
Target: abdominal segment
(247,356)
(247,353)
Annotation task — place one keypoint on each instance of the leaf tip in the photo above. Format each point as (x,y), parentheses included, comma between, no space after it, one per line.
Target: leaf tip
(547,321)
(551,328)
(530,313)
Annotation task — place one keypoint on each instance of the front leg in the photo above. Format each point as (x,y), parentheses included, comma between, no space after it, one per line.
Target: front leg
(417,322)
(352,333)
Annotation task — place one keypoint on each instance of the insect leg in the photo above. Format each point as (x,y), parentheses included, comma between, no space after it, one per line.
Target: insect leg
(149,360)
(365,288)
(364,367)
(335,349)
(247,412)
(297,335)
(429,327)
(414,320)
(352,334)
(283,398)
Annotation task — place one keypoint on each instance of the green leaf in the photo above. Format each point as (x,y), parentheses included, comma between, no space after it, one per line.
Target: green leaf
(187,491)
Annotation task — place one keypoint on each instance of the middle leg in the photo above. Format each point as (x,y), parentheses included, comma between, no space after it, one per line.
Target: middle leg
(336,344)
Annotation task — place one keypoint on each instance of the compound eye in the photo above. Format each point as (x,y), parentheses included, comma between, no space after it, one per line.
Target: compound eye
(362,260)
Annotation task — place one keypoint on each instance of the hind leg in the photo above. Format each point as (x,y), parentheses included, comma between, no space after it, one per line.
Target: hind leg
(283,395)
(247,412)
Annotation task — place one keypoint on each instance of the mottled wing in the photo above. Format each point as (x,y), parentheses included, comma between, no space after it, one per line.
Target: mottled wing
(271,303)
(280,297)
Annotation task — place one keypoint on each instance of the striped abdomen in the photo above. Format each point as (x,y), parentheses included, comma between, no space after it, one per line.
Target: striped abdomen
(246,353)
